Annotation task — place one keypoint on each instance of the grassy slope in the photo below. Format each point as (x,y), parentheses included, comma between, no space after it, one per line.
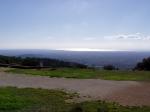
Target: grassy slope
(87,73)
(39,100)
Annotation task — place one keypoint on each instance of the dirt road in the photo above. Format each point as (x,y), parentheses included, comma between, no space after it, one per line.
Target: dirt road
(124,92)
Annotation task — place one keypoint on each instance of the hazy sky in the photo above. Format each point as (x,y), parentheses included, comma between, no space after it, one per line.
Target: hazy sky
(74,24)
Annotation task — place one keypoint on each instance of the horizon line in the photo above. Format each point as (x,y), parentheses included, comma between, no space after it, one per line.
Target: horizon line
(78,50)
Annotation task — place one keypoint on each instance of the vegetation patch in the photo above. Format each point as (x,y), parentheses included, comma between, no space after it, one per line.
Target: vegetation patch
(41,100)
(87,73)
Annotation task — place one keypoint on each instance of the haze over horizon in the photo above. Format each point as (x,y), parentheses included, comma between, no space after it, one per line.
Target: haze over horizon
(76,25)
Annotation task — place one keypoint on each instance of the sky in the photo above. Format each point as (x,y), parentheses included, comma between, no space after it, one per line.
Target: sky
(75,24)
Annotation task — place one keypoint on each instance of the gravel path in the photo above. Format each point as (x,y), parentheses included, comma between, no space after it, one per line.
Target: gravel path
(124,92)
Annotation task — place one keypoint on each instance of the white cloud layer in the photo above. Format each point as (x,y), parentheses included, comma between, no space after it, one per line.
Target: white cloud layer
(136,36)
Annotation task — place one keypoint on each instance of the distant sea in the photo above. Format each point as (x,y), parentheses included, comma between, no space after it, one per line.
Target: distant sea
(120,59)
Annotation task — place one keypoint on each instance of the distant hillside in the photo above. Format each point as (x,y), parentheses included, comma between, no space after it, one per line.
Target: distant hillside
(120,59)
(32,62)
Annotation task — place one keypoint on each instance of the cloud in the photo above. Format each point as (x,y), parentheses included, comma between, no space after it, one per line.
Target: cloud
(136,36)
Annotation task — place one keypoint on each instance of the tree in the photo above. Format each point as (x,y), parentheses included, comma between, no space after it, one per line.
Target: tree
(144,65)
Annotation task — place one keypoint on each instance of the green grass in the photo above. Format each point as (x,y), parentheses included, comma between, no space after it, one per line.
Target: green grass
(40,100)
(87,73)
(32,100)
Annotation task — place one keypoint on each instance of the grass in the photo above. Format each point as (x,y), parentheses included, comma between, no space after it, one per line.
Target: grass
(31,100)
(41,100)
(87,74)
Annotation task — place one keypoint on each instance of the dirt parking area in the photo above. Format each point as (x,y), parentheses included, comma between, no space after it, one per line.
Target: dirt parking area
(124,92)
